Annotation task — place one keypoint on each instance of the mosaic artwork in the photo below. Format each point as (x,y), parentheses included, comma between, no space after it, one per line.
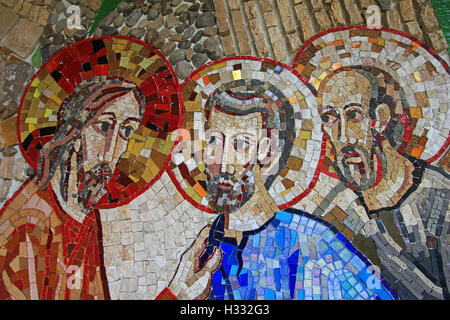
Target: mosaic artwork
(259,155)
(94,123)
(147,173)
(383,103)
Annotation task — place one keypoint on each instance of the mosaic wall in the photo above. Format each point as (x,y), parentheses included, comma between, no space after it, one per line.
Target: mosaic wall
(223,150)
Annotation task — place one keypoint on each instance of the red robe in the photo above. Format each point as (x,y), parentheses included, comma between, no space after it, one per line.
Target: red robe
(45,253)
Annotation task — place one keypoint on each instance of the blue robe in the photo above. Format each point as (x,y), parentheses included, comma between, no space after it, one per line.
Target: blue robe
(296,256)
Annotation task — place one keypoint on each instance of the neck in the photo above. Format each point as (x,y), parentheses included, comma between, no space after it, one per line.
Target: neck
(396,181)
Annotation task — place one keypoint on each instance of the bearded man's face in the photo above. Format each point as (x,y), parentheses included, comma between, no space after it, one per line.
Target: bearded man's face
(344,107)
(230,156)
(103,140)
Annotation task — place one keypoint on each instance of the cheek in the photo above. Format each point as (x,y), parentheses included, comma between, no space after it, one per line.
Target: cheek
(360,129)
(213,158)
(331,131)
(213,169)
(246,156)
(92,141)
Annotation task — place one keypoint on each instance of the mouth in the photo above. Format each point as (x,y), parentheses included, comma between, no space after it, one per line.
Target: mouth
(104,172)
(94,185)
(225,193)
(355,162)
(352,157)
(225,186)
(358,166)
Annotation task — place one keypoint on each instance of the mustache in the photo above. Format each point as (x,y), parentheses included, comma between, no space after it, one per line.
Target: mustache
(92,185)
(226,193)
(360,174)
(223,178)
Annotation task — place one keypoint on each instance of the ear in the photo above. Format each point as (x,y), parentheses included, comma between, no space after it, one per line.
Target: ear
(383,114)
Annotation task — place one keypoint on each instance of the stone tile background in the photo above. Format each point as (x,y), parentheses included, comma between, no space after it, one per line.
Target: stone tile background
(278,28)
(184,31)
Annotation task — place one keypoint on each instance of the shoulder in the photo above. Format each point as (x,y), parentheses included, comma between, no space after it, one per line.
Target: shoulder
(434,177)
(28,206)
(432,188)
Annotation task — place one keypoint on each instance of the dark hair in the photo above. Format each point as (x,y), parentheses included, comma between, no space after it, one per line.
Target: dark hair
(240,97)
(379,95)
(75,112)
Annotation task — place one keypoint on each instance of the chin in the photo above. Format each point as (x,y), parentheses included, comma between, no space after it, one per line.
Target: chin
(226,206)
(230,198)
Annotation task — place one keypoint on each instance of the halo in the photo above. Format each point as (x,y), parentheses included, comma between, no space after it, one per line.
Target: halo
(125,58)
(301,165)
(420,72)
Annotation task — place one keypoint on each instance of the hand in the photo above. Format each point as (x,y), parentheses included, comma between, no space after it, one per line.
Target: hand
(190,281)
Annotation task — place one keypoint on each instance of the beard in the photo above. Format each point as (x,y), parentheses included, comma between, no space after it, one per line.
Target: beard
(93,185)
(226,194)
(358,167)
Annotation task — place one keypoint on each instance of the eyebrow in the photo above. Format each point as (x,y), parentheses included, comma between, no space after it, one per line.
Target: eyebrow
(328,108)
(129,119)
(243,133)
(353,105)
(107,113)
(248,134)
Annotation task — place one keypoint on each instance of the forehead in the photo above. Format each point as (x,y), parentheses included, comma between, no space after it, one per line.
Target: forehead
(343,88)
(125,106)
(227,122)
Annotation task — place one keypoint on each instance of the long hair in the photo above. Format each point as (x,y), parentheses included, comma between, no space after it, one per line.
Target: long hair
(88,98)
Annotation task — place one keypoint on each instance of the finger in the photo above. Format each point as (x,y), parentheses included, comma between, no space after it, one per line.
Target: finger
(204,233)
(205,292)
(204,277)
(214,261)
(202,237)
(211,265)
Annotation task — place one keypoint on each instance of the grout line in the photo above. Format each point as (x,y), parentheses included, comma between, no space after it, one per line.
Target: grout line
(313,16)
(276,12)
(264,29)
(12,25)
(230,23)
(295,18)
(362,12)
(383,17)
(254,52)
(345,13)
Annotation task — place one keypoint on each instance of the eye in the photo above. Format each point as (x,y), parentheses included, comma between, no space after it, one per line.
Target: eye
(240,144)
(354,115)
(103,125)
(328,118)
(127,131)
(214,140)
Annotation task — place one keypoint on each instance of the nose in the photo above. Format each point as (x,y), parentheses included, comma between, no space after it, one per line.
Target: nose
(114,146)
(227,165)
(342,134)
